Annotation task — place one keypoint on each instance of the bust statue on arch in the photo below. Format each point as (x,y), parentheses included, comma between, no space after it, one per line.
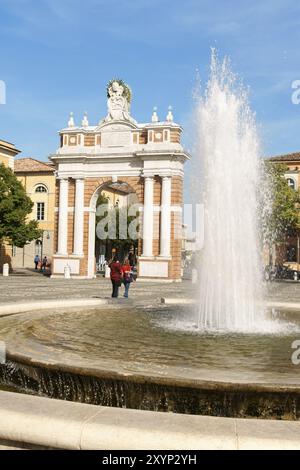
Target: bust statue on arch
(118,102)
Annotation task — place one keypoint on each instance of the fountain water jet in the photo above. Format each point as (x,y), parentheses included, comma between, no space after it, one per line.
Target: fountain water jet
(229,149)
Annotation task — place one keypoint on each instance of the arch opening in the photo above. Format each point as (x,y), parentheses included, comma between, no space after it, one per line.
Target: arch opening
(114,225)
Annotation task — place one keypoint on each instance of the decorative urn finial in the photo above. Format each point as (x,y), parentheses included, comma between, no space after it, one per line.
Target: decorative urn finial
(154,117)
(71,122)
(170,117)
(85,121)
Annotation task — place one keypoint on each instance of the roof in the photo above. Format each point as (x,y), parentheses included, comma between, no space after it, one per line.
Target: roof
(31,165)
(8,146)
(290,157)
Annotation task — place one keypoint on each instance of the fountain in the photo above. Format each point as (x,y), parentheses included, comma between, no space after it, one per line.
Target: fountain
(229,151)
(227,356)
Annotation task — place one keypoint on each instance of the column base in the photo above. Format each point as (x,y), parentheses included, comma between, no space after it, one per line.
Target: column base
(60,262)
(153,267)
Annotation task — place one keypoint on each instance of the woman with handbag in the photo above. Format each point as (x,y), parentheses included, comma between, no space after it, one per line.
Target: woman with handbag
(127,276)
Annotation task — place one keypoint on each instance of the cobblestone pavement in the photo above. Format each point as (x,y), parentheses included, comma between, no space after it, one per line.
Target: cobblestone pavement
(38,287)
(284,291)
(32,286)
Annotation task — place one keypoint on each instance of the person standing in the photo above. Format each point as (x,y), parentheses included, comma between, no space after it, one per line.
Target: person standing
(131,258)
(36,261)
(116,274)
(127,276)
(44,263)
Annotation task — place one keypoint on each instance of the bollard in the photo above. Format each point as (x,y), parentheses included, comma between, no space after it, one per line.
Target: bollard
(107,271)
(6,270)
(295,276)
(67,272)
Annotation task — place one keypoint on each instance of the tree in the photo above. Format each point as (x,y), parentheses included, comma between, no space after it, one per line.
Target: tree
(279,210)
(15,206)
(115,222)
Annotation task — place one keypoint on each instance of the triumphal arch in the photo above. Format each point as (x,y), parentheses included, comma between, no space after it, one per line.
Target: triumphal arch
(126,157)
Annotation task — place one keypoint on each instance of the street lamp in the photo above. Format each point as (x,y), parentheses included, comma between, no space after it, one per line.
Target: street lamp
(48,238)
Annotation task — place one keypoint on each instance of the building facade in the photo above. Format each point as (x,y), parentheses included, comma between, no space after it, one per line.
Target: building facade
(7,153)
(38,180)
(144,159)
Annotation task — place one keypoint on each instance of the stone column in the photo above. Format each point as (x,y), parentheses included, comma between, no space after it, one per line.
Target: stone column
(78,217)
(62,248)
(148,217)
(165,217)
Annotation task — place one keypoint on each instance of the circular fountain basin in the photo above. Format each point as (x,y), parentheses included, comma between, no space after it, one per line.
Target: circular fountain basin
(153,358)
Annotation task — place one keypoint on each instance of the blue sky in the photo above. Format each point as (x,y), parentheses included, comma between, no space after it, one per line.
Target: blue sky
(56,56)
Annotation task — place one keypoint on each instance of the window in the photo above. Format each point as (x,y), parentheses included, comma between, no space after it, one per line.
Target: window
(40,189)
(291,183)
(40,211)
(38,248)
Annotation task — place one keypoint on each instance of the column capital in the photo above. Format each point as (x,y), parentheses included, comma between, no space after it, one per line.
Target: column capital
(62,178)
(147,175)
(78,178)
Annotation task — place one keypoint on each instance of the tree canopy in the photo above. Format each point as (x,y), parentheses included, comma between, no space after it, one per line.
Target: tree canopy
(116,224)
(15,206)
(280,210)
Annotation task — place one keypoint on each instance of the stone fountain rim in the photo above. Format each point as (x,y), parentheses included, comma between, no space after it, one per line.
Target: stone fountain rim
(93,372)
(110,375)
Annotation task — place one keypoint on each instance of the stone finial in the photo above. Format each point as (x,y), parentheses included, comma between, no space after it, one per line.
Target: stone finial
(170,116)
(154,117)
(85,121)
(71,122)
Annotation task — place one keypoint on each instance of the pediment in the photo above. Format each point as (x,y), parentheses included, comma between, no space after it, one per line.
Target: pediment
(116,126)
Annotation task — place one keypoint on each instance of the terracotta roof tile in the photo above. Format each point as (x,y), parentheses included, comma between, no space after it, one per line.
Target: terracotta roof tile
(290,157)
(24,165)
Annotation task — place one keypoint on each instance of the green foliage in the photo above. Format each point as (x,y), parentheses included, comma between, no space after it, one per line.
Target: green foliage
(116,223)
(15,206)
(282,215)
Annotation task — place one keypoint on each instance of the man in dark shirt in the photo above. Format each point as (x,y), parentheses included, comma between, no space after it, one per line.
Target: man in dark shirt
(115,276)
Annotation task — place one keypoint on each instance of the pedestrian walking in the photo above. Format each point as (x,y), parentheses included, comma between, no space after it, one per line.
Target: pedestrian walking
(127,276)
(44,263)
(36,261)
